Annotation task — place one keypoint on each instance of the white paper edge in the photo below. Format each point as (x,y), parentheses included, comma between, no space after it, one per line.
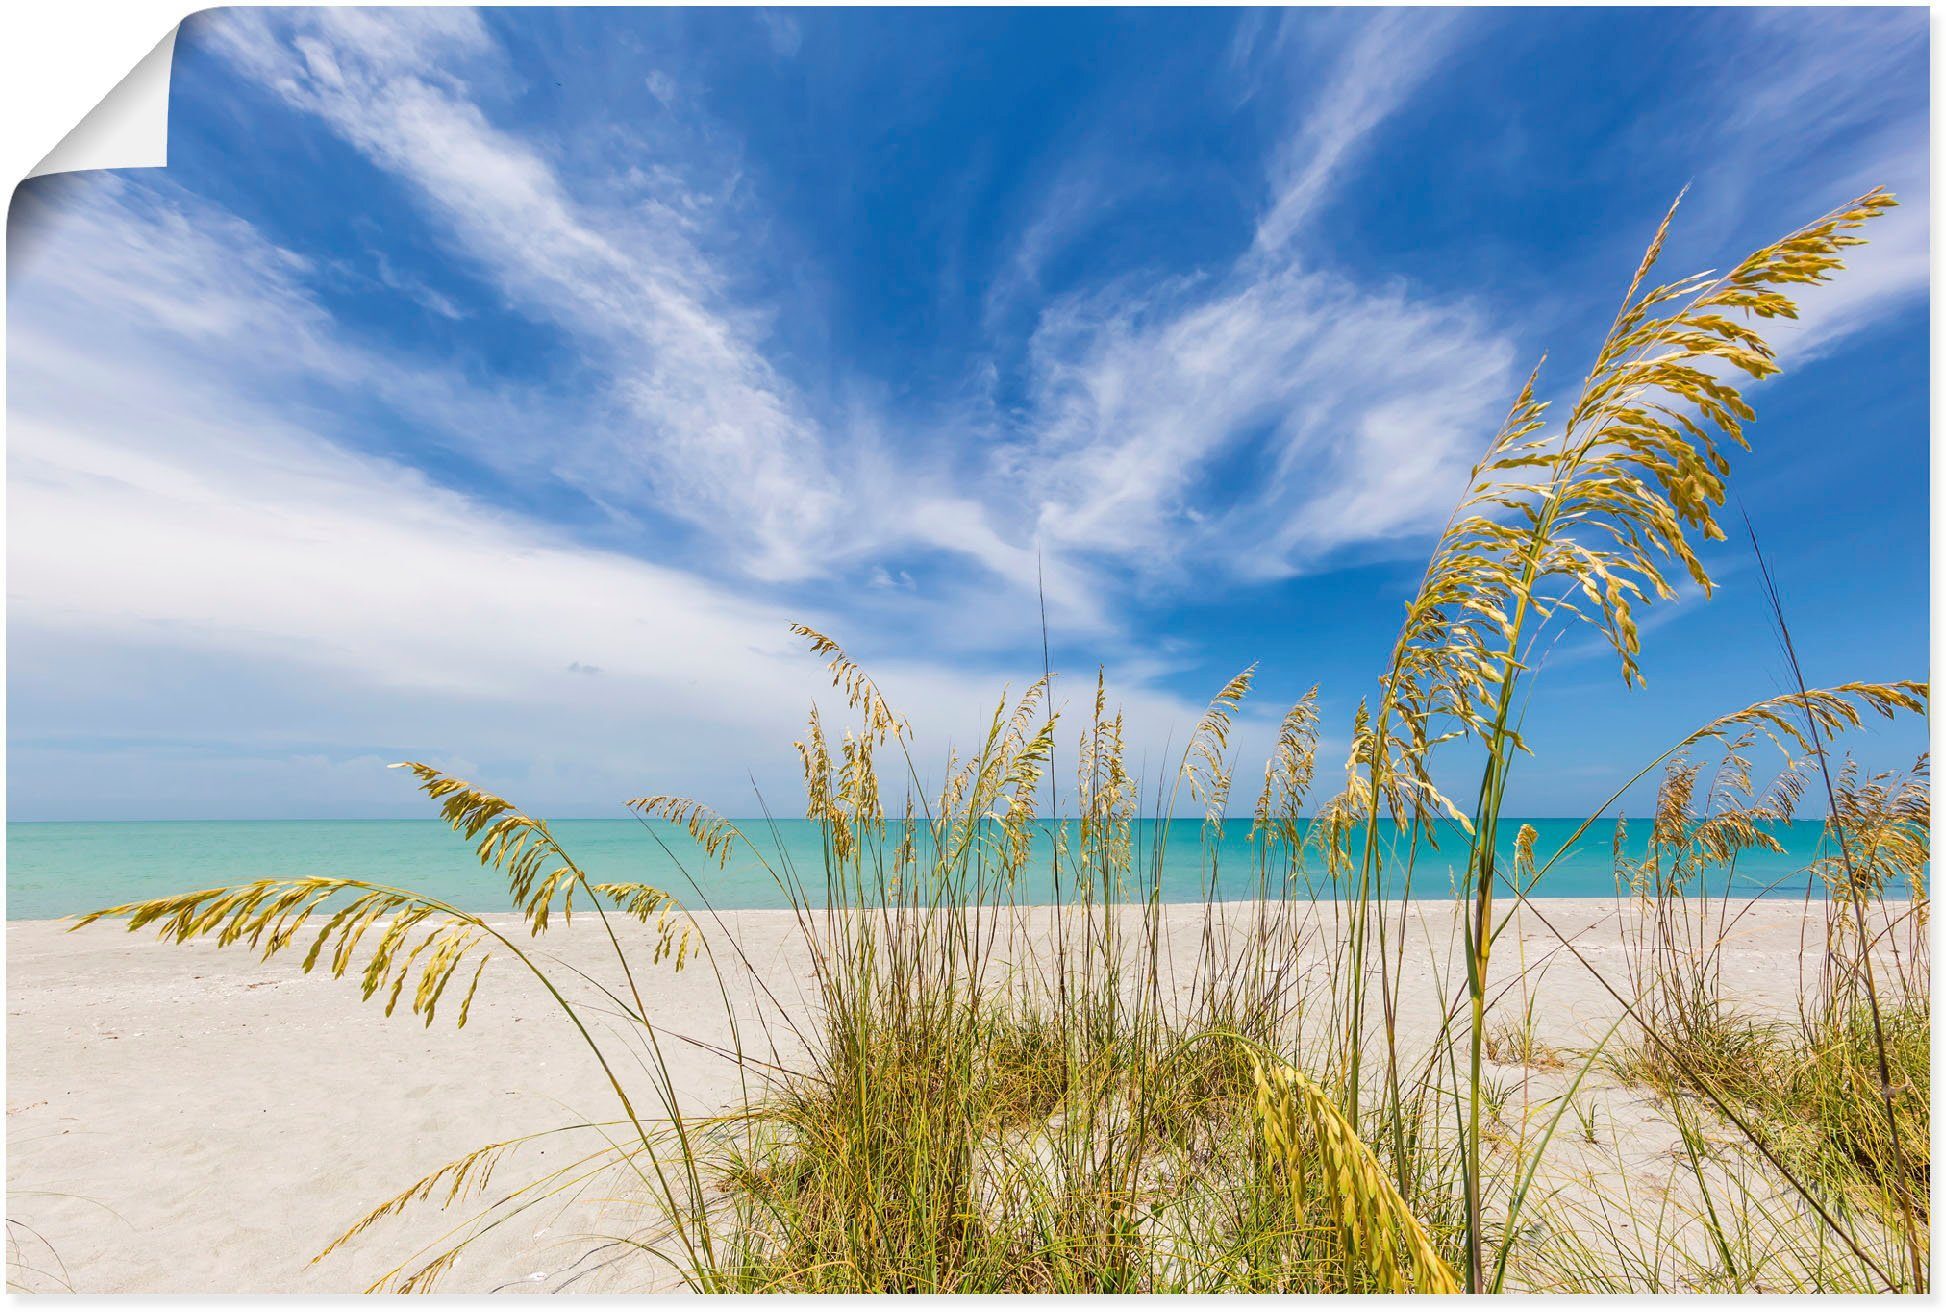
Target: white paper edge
(129,129)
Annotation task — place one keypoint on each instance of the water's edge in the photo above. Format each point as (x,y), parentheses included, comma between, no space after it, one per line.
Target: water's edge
(64,868)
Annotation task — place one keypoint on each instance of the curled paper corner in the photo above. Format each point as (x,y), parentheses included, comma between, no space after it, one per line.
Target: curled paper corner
(129,128)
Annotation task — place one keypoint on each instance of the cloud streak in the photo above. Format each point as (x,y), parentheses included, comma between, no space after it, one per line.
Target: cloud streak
(185,530)
(1382,62)
(1257,418)
(1136,388)
(1354,412)
(723,440)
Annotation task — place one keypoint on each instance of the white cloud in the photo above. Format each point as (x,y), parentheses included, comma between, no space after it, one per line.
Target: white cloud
(782,31)
(249,610)
(1357,412)
(1817,107)
(1381,63)
(225,545)
(104,269)
(1129,403)
(1832,107)
(1076,201)
(722,439)
(1817,72)
(708,430)
(1254,419)
(439,303)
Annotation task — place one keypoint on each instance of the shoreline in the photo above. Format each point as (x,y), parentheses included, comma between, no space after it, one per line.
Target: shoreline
(57,869)
(1503,901)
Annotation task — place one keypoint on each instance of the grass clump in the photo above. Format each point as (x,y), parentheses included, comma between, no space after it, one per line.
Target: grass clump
(1831,1088)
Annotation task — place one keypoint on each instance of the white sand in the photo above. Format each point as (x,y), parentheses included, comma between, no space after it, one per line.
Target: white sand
(188,1119)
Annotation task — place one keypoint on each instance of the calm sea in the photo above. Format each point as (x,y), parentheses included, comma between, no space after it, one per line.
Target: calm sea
(60,869)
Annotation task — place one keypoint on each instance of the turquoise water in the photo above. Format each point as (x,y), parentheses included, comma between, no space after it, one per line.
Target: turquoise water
(60,869)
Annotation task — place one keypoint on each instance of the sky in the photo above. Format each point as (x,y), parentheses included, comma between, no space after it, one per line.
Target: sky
(493,388)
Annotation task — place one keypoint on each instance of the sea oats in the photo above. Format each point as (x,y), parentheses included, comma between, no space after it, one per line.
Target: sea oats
(1375,1221)
(1287,774)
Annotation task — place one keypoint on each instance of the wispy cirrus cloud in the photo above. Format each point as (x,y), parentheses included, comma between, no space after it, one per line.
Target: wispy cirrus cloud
(630,264)
(1811,74)
(189,525)
(1255,417)
(1345,413)
(1376,67)
(1819,76)
(1137,389)
(106,269)
(1258,417)
(724,440)
(1810,109)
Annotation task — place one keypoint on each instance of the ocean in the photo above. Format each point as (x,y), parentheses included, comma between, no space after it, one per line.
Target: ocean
(59,869)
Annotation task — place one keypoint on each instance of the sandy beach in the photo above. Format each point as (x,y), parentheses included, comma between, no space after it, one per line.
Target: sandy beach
(193,1120)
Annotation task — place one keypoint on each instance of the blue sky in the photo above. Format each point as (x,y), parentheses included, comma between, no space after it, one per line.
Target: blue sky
(493,388)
